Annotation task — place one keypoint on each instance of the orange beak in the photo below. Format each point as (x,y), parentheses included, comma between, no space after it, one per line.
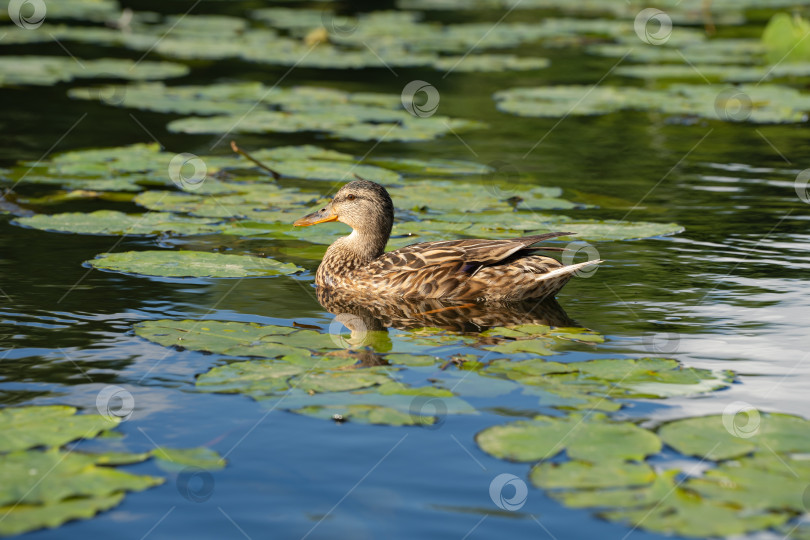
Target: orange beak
(324,215)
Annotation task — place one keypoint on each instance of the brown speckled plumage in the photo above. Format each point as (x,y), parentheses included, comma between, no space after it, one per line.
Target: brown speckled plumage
(471,269)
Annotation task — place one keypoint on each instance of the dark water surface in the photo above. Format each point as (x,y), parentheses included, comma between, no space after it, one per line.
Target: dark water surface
(731,292)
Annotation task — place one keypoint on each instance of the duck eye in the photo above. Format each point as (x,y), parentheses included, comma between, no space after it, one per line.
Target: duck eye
(350,197)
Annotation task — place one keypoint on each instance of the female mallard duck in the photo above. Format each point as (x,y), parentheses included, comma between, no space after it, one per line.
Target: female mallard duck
(479,270)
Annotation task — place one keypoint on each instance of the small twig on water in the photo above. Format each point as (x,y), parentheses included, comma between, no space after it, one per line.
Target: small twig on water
(254,160)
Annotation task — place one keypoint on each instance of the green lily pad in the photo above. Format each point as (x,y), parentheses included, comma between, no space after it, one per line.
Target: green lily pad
(175,459)
(336,171)
(234,338)
(85,10)
(60,475)
(48,487)
(235,98)
(652,377)
(22,518)
(611,378)
(590,438)
(785,38)
(364,414)
(412,360)
(257,379)
(763,103)
(114,223)
(656,489)
(737,433)
(352,124)
(740,496)
(257,202)
(49,70)
(444,196)
(49,426)
(452,225)
(166,263)
(685,514)
(431,167)
(763,482)
(725,51)
(490,62)
(338,381)
(585,475)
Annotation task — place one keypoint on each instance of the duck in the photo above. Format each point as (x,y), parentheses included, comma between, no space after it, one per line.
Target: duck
(472,270)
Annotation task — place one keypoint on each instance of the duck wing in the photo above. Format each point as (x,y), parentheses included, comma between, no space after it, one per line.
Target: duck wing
(444,269)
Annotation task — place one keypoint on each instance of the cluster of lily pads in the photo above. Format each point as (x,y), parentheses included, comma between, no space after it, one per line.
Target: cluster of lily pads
(47,482)
(237,199)
(688,75)
(320,38)
(255,108)
(582,457)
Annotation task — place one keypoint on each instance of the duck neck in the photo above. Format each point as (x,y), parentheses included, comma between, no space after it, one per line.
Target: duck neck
(349,253)
(361,246)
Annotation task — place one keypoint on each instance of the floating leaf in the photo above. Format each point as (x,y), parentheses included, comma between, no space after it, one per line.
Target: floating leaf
(21,518)
(114,223)
(444,196)
(85,10)
(50,425)
(234,338)
(452,225)
(257,379)
(490,62)
(61,475)
(585,475)
(49,70)
(762,103)
(177,459)
(364,414)
(685,514)
(785,38)
(257,202)
(338,381)
(737,433)
(166,263)
(590,438)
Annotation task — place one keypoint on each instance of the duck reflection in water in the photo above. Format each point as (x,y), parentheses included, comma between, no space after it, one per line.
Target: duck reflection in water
(362,314)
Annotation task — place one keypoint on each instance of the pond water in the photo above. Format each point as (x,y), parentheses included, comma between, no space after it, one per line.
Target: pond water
(728,293)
